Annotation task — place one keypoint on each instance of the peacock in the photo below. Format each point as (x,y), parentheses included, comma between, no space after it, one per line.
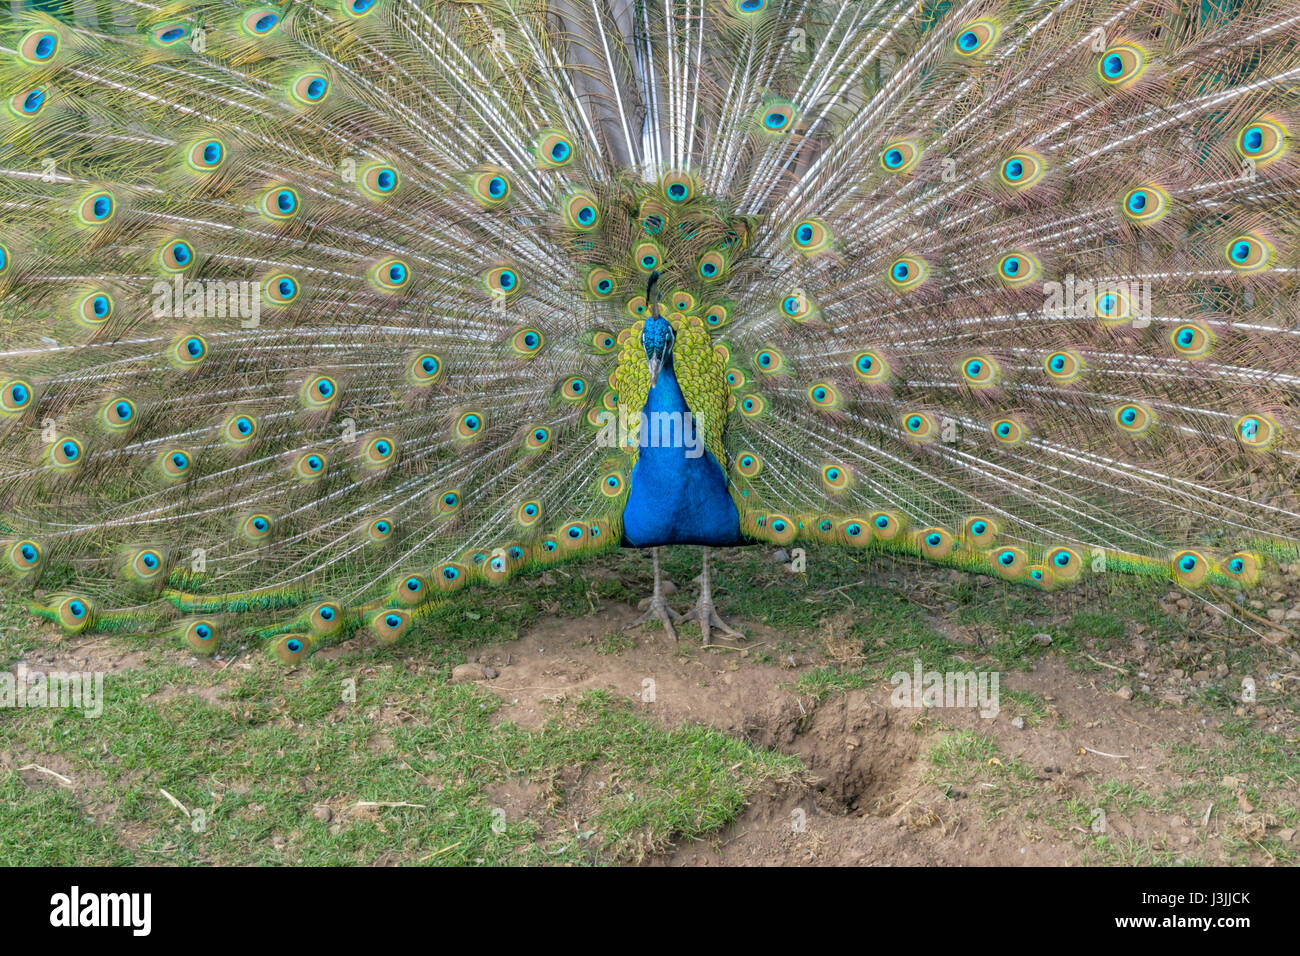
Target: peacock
(316,312)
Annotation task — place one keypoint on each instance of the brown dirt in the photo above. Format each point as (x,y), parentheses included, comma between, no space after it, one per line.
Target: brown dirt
(871,796)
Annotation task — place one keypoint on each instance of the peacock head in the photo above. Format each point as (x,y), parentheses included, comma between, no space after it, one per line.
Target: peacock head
(657,334)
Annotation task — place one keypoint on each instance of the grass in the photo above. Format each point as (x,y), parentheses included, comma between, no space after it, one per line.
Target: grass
(279,766)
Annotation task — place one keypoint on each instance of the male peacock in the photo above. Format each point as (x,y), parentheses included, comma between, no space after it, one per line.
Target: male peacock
(319,310)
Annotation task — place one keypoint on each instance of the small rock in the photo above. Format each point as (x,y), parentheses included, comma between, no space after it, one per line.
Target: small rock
(323,814)
(668,587)
(1124,693)
(643,604)
(781,556)
(1201,676)
(1221,670)
(1043,639)
(463,673)
(1287,835)
(852,742)
(1018,723)
(1276,614)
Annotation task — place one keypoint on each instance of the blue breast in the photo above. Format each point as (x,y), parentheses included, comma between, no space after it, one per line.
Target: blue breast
(677,497)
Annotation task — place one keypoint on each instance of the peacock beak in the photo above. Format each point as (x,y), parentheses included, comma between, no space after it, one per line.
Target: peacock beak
(656,363)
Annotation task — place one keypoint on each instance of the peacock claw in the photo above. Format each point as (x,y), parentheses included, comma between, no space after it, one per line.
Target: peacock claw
(707,615)
(661,612)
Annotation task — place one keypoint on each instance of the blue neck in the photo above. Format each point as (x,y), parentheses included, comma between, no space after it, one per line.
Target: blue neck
(679,491)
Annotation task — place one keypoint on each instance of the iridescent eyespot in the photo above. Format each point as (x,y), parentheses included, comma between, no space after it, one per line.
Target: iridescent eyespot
(75,613)
(96,209)
(554,149)
(280,289)
(170,34)
(716,316)
(259,22)
(378,451)
(390,275)
(175,255)
(677,186)
(491,186)
(175,463)
(870,367)
(325,618)
(256,527)
(836,477)
(899,156)
(24,556)
(907,272)
(712,266)
(749,464)
(797,306)
(470,425)
(528,513)
(1064,366)
(1243,566)
(411,589)
(574,388)
(358,8)
(379,180)
(769,360)
(28,103)
(611,484)
(319,391)
(501,281)
(777,117)
(1190,567)
(424,368)
(66,453)
(1065,563)
(379,530)
(855,531)
(581,211)
(311,466)
(918,426)
(309,89)
(1121,65)
(979,371)
(600,283)
(1262,141)
(1021,170)
(647,256)
(118,414)
(1192,339)
(574,534)
(1249,253)
(1008,431)
(239,429)
(780,529)
(537,438)
(735,378)
(1114,306)
(1010,563)
(810,236)
(389,624)
(188,351)
(603,341)
(1255,432)
(279,203)
(201,635)
(748,8)
(936,543)
(980,532)
(451,576)
(824,395)
(95,308)
(1145,204)
(16,396)
(40,46)
(751,406)
(885,525)
(145,565)
(526,343)
(1018,268)
(975,38)
(1134,418)
(205,155)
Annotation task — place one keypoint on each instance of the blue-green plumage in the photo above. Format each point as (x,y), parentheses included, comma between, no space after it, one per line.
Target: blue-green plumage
(679,491)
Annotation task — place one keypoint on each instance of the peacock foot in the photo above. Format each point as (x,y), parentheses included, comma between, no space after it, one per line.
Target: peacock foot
(661,612)
(707,615)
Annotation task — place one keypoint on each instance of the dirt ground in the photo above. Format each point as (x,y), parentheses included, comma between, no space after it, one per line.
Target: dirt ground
(871,797)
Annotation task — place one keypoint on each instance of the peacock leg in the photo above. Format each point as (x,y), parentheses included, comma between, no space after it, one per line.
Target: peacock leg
(659,609)
(704,611)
